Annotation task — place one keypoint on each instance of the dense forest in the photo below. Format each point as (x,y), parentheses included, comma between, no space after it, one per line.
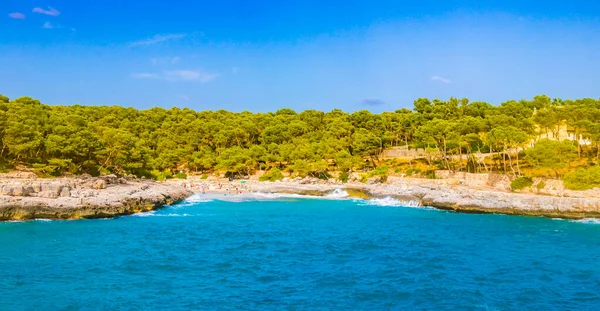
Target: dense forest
(519,137)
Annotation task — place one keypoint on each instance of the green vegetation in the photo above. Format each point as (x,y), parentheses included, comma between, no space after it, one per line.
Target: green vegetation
(381,172)
(157,143)
(583,179)
(551,154)
(521,183)
(272,175)
(540,185)
(344,177)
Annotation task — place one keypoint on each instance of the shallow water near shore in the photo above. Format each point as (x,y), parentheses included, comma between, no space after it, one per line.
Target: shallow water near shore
(292,253)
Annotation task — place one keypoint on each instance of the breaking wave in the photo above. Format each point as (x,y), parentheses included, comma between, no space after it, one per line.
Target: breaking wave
(337,194)
(389,201)
(155,214)
(590,221)
(198,198)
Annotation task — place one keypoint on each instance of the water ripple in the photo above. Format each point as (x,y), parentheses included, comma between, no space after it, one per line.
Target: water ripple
(301,254)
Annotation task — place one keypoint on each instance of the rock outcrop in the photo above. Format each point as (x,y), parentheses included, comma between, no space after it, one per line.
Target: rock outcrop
(469,200)
(83,197)
(470,194)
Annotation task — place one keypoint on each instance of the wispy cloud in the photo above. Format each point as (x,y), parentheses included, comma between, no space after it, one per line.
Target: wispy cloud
(48,25)
(16,15)
(51,11)
(183,97)
(189,75)
(373,102)
(157,39)
(441,79)
(178,75)
(145,76)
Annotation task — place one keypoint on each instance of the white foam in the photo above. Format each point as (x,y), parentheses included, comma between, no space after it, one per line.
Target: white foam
(337,194)
(199,198)
(389,201)
(144,214)
(154,214)
(266,195)
(173,215)
(591,221)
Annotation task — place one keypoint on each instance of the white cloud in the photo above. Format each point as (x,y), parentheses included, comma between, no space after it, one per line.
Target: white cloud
(183,97)
(48,25)
(189,75)
(157,39)
(178,75)
(441,79)
(51,11)
(16,15)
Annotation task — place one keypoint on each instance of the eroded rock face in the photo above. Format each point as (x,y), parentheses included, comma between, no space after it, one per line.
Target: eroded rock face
(18,175)
(85,197)
(17,190)
(99,184)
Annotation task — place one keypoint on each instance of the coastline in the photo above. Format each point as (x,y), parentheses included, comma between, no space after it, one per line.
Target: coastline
(28,198)
(440,194)
(83,197)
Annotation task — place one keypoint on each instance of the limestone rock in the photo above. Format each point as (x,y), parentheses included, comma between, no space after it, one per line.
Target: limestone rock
(99,184)
(19,175)
(109,179)
(16,190)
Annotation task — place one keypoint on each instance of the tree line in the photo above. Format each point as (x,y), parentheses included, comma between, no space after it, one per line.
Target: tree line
(158,142)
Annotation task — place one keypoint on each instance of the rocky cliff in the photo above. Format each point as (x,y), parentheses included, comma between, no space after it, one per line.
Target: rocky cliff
(82,197)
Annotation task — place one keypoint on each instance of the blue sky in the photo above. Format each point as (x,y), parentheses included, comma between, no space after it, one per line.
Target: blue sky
(265,55)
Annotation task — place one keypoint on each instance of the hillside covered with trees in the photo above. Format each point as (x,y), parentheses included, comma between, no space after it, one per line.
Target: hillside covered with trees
(159,143)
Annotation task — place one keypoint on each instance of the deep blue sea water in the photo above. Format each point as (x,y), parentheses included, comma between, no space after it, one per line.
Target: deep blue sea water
(300,254)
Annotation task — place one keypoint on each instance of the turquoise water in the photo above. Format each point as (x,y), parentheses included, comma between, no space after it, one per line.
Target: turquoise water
(300,254)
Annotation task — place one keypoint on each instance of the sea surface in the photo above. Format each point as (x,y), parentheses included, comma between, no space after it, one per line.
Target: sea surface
(289,253)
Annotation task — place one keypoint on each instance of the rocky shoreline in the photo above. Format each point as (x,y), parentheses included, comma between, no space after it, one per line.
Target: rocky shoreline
(27,197)
(83,197)
(446,195)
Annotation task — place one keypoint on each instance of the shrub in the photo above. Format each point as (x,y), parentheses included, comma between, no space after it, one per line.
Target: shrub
(541,185)
(409,172)
(583,179)
(160,176)
(381,171)
(204,176)
(181,175)
(5,166)
(344,177)
(430,174)
(272,175)
(324,175)
(521,183)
